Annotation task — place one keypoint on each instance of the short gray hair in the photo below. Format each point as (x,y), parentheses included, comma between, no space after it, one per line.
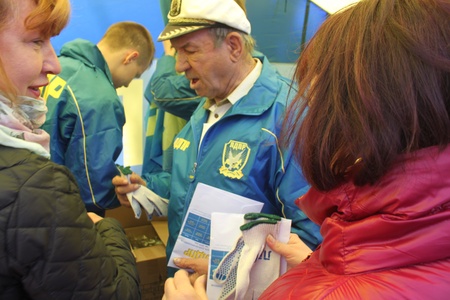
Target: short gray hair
(220,33)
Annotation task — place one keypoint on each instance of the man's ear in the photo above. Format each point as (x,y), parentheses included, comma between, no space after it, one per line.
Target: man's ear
(235,45)
(130,57)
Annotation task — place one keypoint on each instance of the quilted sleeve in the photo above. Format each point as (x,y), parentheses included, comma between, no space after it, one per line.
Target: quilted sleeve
(56,249)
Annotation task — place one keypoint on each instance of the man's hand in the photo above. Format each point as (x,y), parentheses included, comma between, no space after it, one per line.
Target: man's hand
(295,251)
(180,288)
(198,265)
(123,187)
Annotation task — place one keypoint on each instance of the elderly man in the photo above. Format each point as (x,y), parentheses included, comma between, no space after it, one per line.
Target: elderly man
(231,140)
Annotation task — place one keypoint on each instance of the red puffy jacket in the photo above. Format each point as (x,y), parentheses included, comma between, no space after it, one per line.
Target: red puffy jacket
(390,240)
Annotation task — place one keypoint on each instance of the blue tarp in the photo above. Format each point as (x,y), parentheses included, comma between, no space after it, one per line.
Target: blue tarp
(277,25)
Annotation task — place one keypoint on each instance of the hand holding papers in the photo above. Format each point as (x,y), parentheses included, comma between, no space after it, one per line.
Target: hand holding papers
(194,238)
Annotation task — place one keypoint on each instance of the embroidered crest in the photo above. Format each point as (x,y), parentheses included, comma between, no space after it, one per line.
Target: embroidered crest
(175,8)
(234,158)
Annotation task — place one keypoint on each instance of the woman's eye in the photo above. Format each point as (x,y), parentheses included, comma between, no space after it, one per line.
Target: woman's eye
(38,42)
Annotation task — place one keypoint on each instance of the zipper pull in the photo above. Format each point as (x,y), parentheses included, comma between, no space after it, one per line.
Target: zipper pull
(192,174)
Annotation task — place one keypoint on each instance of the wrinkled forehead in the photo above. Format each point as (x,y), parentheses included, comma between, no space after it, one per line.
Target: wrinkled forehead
(201,37)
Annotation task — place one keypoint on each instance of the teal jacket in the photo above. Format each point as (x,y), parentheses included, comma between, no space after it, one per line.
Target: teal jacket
(171,104)
(240,154)
(171,91)
(85,120)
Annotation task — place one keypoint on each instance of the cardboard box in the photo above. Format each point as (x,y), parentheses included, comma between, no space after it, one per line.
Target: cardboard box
(148,240)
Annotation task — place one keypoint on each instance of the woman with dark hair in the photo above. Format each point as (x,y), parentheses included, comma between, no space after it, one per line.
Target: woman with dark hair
(373,132)
(371,128)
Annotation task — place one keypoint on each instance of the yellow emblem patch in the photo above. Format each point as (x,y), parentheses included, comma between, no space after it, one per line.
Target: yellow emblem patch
(234,158)
(181,144)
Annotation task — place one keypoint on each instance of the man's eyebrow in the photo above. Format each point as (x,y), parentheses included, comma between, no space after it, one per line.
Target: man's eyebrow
(185,45)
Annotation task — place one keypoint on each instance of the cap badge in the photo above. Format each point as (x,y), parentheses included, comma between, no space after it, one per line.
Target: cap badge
(175,8)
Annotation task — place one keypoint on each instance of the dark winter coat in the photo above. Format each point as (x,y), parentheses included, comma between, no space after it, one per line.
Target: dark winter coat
(49,247)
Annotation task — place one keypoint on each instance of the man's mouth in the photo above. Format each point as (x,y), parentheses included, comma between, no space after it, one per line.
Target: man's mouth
(194,82)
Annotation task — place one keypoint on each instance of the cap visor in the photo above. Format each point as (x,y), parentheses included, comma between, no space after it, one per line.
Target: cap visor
(173,31)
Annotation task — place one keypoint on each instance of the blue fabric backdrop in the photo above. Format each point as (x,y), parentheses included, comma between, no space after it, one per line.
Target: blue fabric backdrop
(277,25)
